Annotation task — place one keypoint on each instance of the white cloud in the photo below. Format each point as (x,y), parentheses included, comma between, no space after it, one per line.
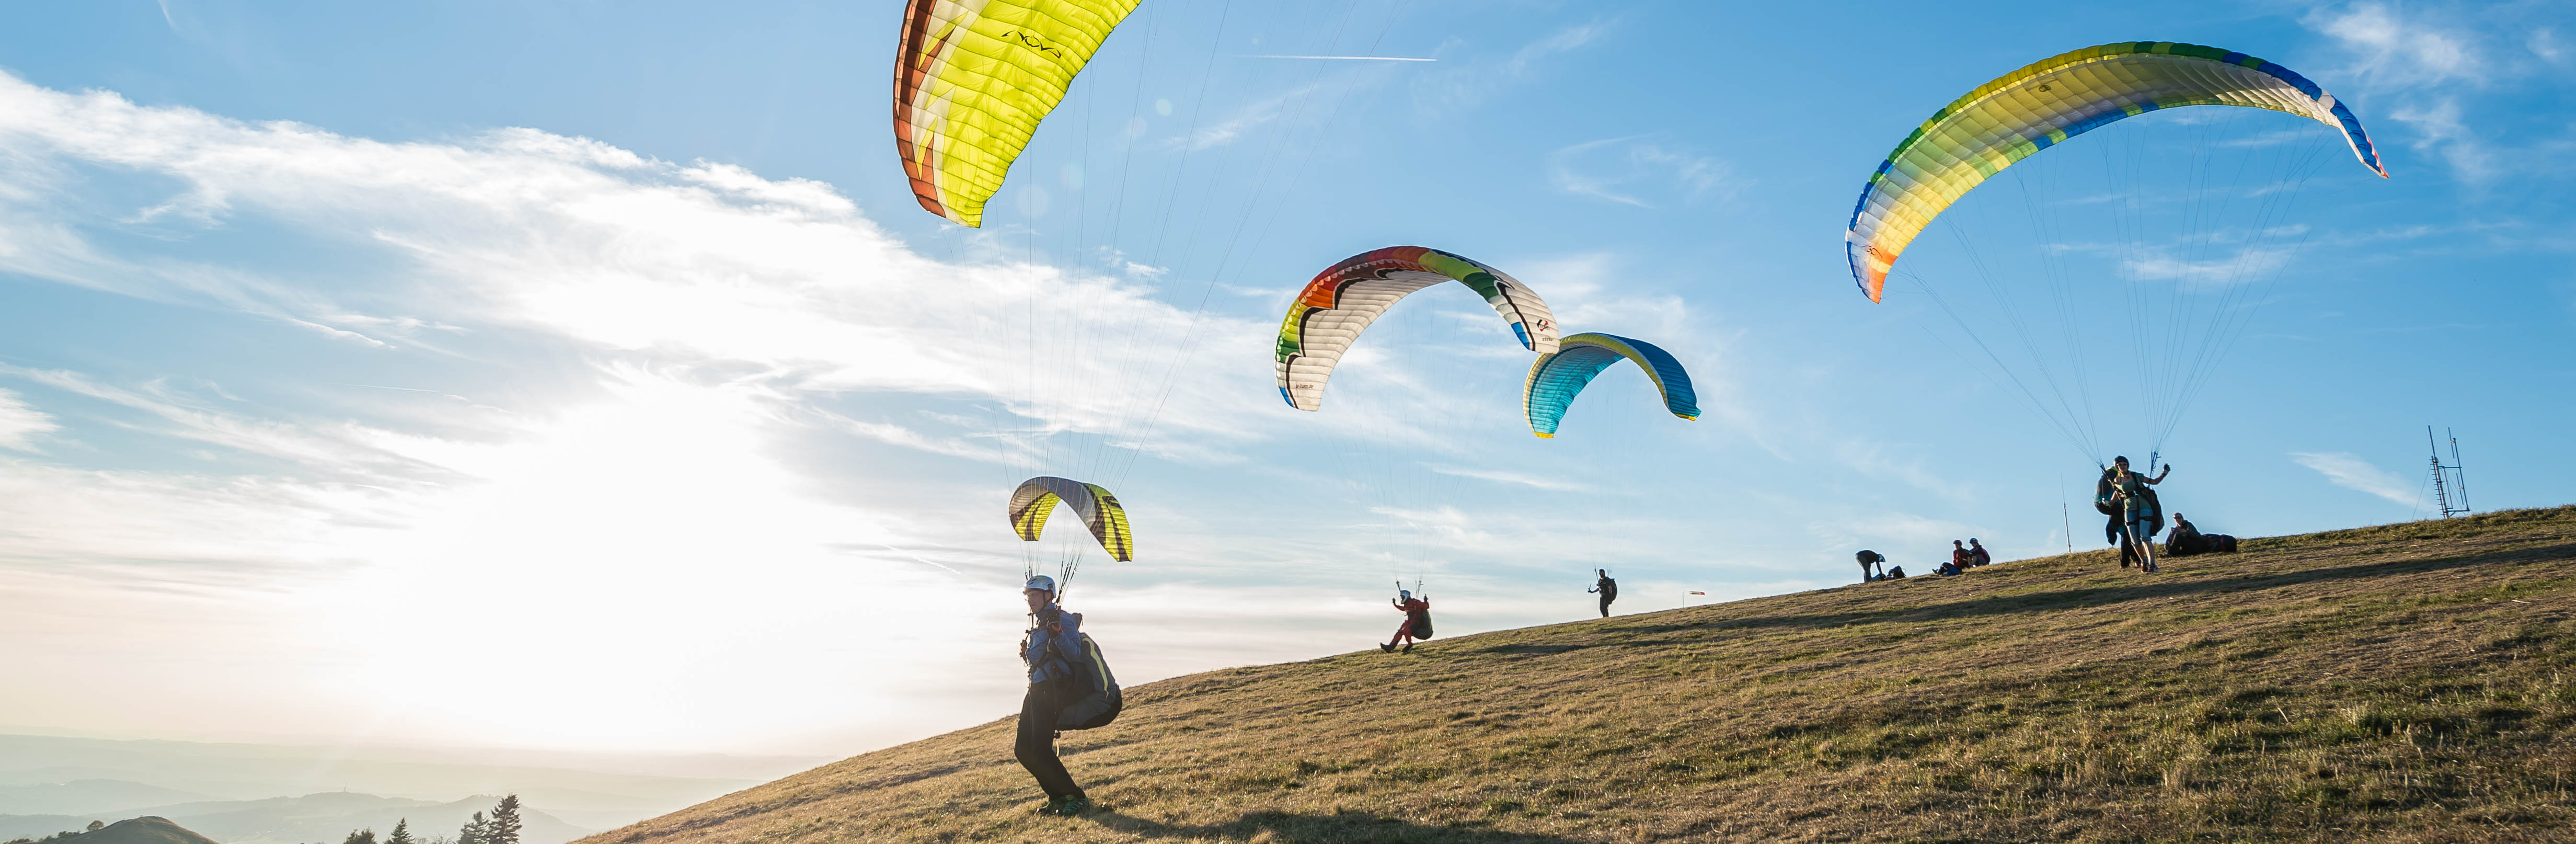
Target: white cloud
(1520,478)
(2349,471)
(2440,129)
(341,450)
(2427,66)
(690,264)
(2247,265)
(20,423)
(1620,169)
(2392,48)
(1244,119)
(1470,84)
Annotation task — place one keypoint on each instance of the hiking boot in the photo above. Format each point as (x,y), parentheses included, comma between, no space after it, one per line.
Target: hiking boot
(1408,647)
(1389,648)
(1073,805)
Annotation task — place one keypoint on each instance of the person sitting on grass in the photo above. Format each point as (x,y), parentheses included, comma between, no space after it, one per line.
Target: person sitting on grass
(2183,540)
(1960,557)
(1979,552)
(1417,621)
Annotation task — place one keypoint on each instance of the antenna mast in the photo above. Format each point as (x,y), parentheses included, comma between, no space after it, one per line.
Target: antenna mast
(2450,485)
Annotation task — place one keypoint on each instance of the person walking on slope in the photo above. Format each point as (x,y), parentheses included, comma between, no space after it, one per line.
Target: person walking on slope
(1417,621)
(2140,515)
(1608,588)
(1051,647)
(1979,552)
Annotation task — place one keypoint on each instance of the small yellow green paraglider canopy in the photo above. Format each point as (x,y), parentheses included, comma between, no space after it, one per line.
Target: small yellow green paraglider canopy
(1037,497)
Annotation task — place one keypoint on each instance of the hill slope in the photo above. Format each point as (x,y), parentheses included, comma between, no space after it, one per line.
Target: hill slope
(2405,682)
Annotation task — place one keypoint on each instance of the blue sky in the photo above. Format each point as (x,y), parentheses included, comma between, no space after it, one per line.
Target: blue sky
(597,353)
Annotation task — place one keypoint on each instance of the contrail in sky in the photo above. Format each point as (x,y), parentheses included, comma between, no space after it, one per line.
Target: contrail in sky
(1348,58)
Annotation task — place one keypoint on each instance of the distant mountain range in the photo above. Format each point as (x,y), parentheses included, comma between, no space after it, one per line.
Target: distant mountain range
(144,830)
(325,817)
(48,781)
(82,797)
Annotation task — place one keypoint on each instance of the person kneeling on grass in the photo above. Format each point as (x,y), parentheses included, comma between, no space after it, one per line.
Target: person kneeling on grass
(1053,642)
(1417,621)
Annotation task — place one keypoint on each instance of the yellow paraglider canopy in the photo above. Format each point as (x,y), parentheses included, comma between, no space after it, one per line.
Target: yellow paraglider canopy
(1036,499)
(972,78)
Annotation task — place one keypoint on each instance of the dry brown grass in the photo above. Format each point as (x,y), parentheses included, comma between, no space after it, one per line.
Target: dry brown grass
(2401,683)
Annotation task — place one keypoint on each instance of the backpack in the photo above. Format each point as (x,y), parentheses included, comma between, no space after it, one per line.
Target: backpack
(1420,625)
(1101,698)
(1895,572)
(1609,589)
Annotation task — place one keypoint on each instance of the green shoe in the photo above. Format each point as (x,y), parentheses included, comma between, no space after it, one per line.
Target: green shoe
(1074,805)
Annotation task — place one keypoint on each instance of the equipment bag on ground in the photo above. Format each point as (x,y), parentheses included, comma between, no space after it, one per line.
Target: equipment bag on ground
(1101,699)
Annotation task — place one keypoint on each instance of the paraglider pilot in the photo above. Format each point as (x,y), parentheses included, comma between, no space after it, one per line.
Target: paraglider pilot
(1053,643)
(1417,621)
(2132,506)
(1608,588)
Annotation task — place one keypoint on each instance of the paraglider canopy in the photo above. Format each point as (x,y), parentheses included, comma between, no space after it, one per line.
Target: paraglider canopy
(1342,300)
(1555,379)
(2045,103)
(972,78)
(1037,497)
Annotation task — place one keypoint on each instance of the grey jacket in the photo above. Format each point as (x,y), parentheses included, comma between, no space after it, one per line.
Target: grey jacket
(1053,646)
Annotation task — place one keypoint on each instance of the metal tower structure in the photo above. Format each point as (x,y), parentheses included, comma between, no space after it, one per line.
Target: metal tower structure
(2450,486)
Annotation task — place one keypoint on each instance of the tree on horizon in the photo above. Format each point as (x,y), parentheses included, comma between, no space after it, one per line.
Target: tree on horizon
(474,831)
(401,833)
(504,828)
(360,836)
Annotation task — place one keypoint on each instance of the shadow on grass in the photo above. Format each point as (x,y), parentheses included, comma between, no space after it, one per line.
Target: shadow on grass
(1335,827)
(2058,600)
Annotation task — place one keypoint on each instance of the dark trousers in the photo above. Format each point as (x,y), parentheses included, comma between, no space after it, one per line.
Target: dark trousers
(1036,746)
(2117,533)
(1605,606)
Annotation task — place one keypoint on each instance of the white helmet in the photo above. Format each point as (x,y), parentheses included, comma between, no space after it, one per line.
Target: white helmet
(1041,582)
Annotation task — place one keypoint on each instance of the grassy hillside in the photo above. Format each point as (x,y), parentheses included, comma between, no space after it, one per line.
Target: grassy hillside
(2409,682)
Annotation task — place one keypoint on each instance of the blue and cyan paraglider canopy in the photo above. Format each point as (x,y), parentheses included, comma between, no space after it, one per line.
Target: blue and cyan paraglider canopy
(1557,378)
